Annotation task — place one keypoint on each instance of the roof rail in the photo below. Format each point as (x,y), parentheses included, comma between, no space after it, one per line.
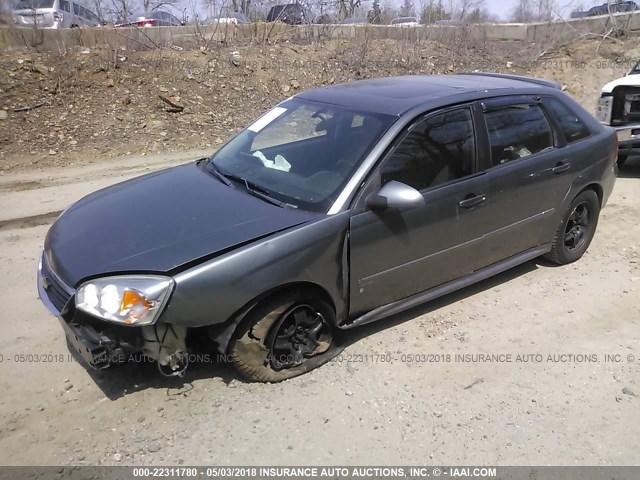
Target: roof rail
(522,78)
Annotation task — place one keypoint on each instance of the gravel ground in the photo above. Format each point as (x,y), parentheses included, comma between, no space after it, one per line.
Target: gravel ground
(399,394)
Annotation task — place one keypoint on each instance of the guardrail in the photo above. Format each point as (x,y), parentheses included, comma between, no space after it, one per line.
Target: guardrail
(190,35)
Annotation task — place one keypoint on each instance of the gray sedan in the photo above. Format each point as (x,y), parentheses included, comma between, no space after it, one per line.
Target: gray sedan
(338,207)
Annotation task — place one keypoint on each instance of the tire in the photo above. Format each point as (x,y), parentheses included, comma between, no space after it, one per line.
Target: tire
(576,229)
(622,158)
(283,337)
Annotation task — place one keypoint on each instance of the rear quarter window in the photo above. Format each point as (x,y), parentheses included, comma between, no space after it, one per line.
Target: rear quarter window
(574,129)
(517,131)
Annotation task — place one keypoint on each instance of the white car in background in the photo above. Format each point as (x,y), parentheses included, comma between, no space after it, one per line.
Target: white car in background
(619,107)
(54,14)
(235,18)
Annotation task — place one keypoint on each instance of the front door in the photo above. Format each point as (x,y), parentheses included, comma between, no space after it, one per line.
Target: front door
(395,253)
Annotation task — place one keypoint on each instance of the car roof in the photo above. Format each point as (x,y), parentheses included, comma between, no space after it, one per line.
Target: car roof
(397,95)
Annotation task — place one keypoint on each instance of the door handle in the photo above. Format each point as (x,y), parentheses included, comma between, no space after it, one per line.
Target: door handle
(472,201)
(561,167)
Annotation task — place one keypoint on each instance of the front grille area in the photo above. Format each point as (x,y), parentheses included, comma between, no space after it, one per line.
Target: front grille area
(57,293)
(632,107)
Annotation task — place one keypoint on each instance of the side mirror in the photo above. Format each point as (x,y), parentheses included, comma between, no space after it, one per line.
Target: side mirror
(395,195)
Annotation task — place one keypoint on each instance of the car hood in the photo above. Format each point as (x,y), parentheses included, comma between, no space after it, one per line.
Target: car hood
(159,222)
(632,80)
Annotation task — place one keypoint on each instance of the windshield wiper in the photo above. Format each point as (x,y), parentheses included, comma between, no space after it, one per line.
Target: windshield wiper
(216,172)
(258,191)
(263,196)
(252,188)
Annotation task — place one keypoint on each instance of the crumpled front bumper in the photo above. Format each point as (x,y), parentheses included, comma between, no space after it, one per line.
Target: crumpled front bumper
(84,341)
(99,345)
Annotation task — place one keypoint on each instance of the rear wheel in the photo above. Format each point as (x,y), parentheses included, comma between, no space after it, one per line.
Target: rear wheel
(576,229)
(284,337)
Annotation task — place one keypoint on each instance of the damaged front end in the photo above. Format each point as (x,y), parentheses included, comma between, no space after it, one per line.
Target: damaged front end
(620,109)
(113,320)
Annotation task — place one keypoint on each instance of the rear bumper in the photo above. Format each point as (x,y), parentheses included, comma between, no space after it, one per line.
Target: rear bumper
(45,21)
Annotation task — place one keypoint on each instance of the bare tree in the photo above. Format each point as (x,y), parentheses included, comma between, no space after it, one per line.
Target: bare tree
(479,15)
(5,8)
(100,8)
(432,11)
(212,7)
(522,12)
(464,7)
(375,14)
(546,10)
(527,11)
(347,7)
(151,5)
(407,9)
(121,10)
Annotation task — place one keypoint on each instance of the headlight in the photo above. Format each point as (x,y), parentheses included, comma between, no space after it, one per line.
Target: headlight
(132,300)
(604,109)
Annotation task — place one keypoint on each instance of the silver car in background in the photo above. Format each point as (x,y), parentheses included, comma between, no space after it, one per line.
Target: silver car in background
(405,22)
(54,14)
(156,18)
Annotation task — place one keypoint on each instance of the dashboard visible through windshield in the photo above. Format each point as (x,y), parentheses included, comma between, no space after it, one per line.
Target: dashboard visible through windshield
(301,153)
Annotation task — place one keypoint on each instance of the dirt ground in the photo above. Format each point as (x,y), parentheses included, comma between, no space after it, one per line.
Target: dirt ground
(562,387)
(570,406)
(82,105)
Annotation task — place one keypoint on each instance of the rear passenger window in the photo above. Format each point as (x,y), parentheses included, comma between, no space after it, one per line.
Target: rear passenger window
(517,131)
(574,129)
(76,9)
(439,149)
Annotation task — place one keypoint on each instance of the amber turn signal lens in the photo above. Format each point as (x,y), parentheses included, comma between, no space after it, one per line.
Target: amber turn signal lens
(136,304)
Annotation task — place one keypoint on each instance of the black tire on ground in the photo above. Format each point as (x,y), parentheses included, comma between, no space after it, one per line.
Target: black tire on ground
(283,337)
(622,158)
(576,229)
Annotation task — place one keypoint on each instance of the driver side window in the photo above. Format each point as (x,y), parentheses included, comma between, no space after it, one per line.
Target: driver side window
(437,150)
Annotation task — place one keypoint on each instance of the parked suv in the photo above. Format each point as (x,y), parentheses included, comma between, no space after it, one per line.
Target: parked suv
(613,7)
(54,14)
(338,207)
(619,107)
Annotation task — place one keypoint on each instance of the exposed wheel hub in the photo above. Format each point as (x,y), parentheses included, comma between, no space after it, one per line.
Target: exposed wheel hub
(301,332)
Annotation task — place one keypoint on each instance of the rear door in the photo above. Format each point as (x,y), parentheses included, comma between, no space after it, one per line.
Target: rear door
(395,253)
(529,174)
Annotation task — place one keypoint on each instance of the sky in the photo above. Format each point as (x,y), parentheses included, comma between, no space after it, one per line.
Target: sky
(503,8)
